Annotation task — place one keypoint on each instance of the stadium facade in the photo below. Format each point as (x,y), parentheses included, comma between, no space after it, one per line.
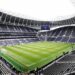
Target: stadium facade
(17,33)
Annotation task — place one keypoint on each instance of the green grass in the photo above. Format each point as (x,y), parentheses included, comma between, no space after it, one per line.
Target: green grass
(27,57)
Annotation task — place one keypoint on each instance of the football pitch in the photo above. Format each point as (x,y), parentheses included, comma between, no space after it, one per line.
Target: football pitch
(29,56)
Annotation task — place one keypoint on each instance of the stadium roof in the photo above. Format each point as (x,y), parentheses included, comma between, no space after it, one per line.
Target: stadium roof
(45,10)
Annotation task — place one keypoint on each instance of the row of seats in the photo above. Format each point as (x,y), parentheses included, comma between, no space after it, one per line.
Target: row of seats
(17,36)
(16,32)
(65,65)
(11,28)
(65,34)
(6,42)
(68,58)
(59,69)
(4,70)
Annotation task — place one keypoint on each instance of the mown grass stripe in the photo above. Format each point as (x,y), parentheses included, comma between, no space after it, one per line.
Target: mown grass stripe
(33,55)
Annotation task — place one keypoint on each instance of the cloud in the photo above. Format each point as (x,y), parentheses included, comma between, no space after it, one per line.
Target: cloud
(38,9)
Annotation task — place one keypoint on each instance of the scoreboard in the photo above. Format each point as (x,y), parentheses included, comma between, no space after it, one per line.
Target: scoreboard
(45,27)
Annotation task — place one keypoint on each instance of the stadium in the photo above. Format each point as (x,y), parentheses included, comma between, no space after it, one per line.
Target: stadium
(37,45)
(31,47)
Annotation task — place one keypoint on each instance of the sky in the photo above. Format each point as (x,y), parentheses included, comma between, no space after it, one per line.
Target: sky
(44,10)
